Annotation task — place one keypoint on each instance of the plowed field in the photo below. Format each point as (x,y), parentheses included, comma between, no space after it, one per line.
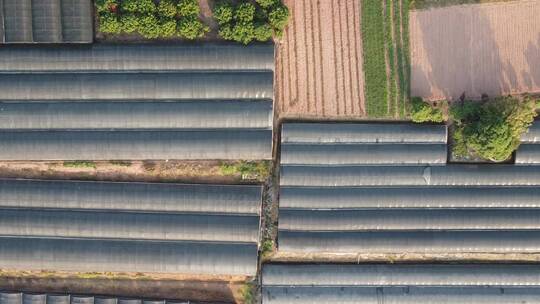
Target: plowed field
(476,49)
(319,61)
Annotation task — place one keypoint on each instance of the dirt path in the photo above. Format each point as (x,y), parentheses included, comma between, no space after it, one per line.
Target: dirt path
(474,49)
(319,61)
(199,289)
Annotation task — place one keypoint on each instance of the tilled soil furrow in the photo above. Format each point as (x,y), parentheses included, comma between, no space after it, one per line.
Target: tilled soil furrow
(323,72)
(359,75)
(337,57)
(348,28)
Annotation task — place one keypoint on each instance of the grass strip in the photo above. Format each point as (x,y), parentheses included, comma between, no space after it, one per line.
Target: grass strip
(374,58)
(406,56)
(391,62)
(402,79)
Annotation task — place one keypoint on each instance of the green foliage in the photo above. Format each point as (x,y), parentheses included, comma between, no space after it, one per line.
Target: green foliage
(538,104)
(121,163)
(191,28)
(109,24)
(249,291)
(246,21)
(263,32)
(168,28)
(279,16)
(130,23)
(259,170)
(167,8)
(149,27)
(188,8)
(80,164)
(166,19)
(491,130)
(267,248)
(424,112)
(268,3)
(223,13)
(138,6)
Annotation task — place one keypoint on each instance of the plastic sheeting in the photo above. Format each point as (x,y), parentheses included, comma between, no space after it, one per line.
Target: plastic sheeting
(528,154)
(127,225)
(481,275)
(132,197)
(363,198)
(77,21)
(136,145)
(18,21)
(451,175)
(46,21)
(108,58)
(403,295)
(533,134)
(364,154)
(27,298)
(211,114)
(396,242)
(334,133)
(400,219)
(124,86)
(84,255)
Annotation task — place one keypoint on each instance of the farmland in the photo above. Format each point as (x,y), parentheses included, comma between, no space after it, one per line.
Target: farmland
(386,59)
(491,49)
(319,61)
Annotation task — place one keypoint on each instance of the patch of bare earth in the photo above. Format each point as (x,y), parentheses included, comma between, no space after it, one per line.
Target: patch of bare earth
(491,48)
(319,61)
(132,171)
(226,289)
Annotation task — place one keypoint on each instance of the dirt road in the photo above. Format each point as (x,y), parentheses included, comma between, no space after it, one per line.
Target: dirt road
(476,49)
(319,61)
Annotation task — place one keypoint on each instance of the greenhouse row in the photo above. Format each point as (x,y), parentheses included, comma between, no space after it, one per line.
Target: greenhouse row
(529,150)
(46,21)
(136,102)
(123,227)
(365,188)
(43,298)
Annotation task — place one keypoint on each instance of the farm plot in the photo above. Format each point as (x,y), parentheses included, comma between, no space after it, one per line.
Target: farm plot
(386,57)
(491,49)
(319,61)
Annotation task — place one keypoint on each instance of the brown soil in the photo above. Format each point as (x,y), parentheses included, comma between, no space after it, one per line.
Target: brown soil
(200,288)
(491,48)
(319,61)
(402,258)
(139,171)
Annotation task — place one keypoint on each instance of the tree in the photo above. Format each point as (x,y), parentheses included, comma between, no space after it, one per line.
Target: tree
(424,112)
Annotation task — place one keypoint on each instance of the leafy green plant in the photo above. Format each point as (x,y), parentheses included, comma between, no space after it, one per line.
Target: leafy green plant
(247,169)
(248,293)
(130,23)
(79,164)
(191,28)
(167,8)
(424,112)
(138,6)
(149,27)
(188,8)
(491,130)
(109,24)
(247,21)
(167,27)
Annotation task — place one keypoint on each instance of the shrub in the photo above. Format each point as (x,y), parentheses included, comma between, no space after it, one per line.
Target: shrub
(79,164)
(491,130)
(268,3)
(188,8)
(168,27)
(424,112)
(109,24)
(149,27)
(245,13)
(223,13)
(106,6)
(278,17)
(263,32)
(130,23)
(167,8)
(139,6)
(191,28)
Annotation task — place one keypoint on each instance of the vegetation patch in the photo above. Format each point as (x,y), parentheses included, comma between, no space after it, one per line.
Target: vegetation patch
(248,170)
(490,129)
(121,163)
(422,111)
(423,4)
(246,21)
(80,164)
(249,292)
(386,57)
(151,19)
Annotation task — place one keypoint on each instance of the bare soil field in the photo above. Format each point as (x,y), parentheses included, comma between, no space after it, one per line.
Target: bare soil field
(319,61)
(491,48)
(151,286)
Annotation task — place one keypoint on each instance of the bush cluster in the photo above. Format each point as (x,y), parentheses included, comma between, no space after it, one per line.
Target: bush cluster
(247,21)
(151,19)
(422,111)
(491,129)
